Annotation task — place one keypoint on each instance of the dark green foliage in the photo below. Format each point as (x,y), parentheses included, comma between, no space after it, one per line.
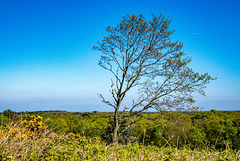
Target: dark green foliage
(126,135)
(9,113)
(197,137)
(4,120)
(213,128)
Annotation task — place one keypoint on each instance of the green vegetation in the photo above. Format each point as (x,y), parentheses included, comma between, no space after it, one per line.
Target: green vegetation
(61,135)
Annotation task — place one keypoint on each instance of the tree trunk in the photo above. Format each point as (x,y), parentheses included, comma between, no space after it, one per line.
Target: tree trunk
(144,133)
(116,128)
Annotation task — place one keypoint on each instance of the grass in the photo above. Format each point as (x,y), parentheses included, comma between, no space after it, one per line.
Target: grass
(31,140)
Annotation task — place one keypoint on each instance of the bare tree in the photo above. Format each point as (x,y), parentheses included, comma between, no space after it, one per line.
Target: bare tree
(140,54)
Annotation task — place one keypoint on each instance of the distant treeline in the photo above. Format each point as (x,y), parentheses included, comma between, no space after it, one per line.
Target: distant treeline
(213,129)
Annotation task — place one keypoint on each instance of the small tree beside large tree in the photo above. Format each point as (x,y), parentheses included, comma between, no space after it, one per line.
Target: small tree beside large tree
(140,54)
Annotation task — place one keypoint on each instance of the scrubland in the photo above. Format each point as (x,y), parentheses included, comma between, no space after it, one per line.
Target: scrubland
(60,135)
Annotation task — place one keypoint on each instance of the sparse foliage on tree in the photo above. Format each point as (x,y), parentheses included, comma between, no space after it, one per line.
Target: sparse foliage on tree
(140,54)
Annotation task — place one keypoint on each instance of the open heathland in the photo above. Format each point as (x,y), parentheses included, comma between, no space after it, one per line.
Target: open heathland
(61,135)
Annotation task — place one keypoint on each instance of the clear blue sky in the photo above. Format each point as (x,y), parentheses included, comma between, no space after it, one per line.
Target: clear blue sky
(46,61)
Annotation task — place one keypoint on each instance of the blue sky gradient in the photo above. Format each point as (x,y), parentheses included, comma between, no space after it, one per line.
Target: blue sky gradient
(46,61)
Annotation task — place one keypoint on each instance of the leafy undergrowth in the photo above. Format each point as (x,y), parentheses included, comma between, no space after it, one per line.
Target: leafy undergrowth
(31,140)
